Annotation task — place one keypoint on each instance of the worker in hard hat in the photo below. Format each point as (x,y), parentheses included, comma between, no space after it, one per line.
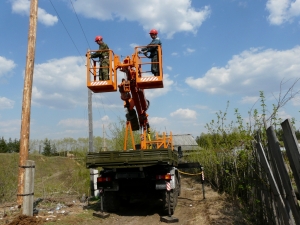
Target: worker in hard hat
(103,55)
(153,52)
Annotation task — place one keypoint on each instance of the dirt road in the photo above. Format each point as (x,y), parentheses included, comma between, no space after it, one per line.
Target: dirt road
(191,209)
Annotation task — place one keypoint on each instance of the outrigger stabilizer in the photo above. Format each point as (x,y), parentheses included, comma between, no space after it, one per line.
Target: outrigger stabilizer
(101,213)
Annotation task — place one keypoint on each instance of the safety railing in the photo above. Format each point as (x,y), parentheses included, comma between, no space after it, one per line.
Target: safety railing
(96,69)
(150,70)
(163,141)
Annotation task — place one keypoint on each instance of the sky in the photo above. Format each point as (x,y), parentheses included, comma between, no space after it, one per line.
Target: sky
(214,52)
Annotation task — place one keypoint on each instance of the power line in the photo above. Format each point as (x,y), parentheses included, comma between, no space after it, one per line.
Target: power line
(102,103)
(66,29)
(80,25)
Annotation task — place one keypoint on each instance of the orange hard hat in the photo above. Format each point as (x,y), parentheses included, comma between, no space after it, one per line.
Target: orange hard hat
(98,38)
(153,31)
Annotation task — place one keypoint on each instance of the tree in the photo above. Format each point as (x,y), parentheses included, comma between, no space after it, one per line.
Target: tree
(3,145)
(13,146)
(118,134)
(47,148)
(54,150)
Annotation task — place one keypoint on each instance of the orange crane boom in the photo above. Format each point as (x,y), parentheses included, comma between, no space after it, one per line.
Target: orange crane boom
(137,78)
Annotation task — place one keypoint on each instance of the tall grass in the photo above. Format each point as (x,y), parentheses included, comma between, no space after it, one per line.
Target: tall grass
(229,159)
(8,176)
(54,177)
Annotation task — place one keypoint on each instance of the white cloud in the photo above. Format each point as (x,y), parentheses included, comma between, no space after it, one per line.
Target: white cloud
(46,18)
(283,115)
(189,50)
(105,118)
(79,124)
(133,45)
(154,93)
(184,114)
(9,127)
(23,7)
(203,107)
(181,16)
(6,103)
(282,11)
(249,99)
(74,123)
(60,83)
(250,72)
(6,66)
(157,120)
(296,101)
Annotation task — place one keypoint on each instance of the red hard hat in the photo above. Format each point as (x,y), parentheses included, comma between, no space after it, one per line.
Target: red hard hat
(153,31)
(98,38)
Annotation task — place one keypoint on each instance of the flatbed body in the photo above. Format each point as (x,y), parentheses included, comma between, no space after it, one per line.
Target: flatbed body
(132,158)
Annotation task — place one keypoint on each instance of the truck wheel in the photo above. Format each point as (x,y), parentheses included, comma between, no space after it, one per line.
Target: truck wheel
(176,191)
(173,199)
(111,202)
(179,186)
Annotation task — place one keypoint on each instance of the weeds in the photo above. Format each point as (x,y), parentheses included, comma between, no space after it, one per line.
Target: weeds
(228,157)
(54,177)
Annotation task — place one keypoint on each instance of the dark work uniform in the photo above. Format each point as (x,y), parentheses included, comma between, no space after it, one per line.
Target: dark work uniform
(153,55)
(104,61)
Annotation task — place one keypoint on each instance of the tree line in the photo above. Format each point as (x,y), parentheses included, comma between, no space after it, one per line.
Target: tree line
(114,140)
(9,146)
(207,140)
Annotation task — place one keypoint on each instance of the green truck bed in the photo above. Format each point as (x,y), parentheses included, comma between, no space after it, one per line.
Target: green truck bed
(132,158)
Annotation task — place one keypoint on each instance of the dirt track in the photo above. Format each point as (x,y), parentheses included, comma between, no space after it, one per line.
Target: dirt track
(191,209)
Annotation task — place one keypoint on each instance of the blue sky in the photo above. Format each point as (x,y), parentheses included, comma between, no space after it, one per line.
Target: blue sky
(213,52)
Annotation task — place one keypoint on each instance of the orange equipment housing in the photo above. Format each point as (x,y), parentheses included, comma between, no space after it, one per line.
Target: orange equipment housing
(137,78)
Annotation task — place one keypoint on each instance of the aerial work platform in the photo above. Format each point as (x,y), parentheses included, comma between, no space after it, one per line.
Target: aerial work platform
(94,69)
(137,75)
(144,78)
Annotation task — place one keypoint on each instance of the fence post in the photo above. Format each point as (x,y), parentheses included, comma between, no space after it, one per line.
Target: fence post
(28,188)
(292,150)
(274,187)
(268,212)
(284,178)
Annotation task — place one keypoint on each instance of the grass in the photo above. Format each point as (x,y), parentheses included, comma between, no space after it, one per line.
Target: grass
(54,177)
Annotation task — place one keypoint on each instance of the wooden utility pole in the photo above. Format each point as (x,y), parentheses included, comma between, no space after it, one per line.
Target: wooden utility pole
(26,104)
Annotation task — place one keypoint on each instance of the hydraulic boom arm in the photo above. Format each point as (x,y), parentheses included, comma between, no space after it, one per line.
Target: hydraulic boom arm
(132,91)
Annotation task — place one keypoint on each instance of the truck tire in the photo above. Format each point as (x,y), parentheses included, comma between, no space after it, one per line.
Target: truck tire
(178,190)
(179,185)
(111,202)
(173,199)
